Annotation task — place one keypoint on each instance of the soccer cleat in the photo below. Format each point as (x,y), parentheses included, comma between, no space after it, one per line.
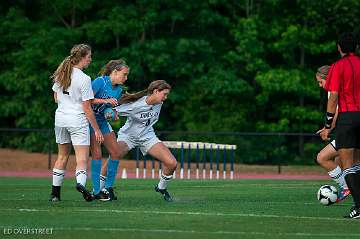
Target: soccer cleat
(165,193)
(54,198)
(111,193)
(354,213)
(342,194)
(86,194)
(103,195)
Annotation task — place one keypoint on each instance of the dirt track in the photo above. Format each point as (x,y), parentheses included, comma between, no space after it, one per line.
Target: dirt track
(20,163)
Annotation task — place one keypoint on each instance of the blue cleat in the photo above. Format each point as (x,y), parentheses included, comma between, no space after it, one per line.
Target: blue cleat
(342,194)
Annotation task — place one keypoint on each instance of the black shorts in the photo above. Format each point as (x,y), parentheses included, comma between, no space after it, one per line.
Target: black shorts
(348,130)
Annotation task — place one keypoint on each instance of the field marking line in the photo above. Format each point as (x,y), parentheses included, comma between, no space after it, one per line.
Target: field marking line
(184,213)
(298,234)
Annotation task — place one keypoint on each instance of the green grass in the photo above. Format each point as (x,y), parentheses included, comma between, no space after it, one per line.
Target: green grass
(201,209)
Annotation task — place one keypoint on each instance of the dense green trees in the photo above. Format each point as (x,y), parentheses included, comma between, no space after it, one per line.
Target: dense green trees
(234,65)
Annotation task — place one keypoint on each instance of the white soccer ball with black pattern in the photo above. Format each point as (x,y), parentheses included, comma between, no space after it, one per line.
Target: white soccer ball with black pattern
(327,195)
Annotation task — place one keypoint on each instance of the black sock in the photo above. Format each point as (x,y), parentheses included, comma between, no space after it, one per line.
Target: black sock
(56,191)
(353,182)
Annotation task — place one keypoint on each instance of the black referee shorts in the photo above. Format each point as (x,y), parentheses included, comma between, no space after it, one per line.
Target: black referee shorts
(348,130)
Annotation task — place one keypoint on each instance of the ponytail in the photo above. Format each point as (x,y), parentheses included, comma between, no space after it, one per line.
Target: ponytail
(62,75)
(154,85)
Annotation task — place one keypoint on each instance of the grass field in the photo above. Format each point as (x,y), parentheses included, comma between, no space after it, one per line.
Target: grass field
(201,209)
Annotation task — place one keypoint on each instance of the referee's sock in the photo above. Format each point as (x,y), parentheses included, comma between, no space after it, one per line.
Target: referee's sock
(111,172)
(353,181)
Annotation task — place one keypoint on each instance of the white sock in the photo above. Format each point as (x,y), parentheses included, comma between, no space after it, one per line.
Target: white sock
(102,181)
(164,180)
(338,176)
(81,176)
(58,176)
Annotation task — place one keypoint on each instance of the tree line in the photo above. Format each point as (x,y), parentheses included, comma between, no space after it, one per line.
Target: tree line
(238,65)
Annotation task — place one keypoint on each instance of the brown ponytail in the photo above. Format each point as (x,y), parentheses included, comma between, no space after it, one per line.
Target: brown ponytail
(155,85)
(62,75)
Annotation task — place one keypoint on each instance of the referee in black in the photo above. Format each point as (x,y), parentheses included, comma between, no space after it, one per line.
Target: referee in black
(343,84)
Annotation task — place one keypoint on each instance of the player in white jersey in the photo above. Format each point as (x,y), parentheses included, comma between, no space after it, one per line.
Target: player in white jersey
(142,111)
(327,158)
(73,94)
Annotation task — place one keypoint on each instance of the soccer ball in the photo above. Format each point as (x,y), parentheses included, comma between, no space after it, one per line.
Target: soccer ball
(109,114)
(327,195)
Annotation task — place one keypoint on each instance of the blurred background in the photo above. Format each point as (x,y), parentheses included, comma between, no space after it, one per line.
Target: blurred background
(242,71)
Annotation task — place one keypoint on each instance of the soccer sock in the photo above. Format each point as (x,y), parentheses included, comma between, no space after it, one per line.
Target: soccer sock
(164,180)
(338,176)
(81,177)
(111,172)
(58,178)
(353,180)
(102,181)
(356,167)
(95,174)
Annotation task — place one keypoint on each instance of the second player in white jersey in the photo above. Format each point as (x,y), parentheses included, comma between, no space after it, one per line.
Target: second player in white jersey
(140,117)
(142,111)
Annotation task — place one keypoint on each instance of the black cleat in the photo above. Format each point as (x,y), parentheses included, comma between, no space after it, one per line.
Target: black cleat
(86,194)
(165,193)
(54,198)
(103,195)
(111,193)
(354,213)
(55,193)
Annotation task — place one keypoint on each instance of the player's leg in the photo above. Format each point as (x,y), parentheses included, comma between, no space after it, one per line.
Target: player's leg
(347,139)
(59,170)
(116,151)
(163,154)
(352,179)
(80,137)
(96,163)
(103,173)
(327,158)
(63,140)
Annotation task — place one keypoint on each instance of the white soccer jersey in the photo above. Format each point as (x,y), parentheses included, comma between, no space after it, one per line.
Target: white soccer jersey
(70,112)
(140,117)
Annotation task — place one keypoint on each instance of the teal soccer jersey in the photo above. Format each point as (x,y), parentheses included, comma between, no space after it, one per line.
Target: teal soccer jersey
(103,89)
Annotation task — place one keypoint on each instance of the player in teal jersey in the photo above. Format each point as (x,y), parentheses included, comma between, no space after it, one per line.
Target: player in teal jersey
(107,90)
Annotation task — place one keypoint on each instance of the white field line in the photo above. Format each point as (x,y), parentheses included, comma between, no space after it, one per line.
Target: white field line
(183,213)
(294,234)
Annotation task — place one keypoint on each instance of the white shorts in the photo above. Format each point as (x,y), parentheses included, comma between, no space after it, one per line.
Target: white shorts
(74,135)
(144,142)
(333,144)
